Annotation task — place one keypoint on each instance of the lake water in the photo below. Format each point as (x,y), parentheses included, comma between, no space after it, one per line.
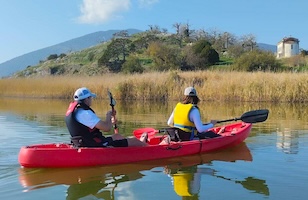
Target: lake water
(272,163)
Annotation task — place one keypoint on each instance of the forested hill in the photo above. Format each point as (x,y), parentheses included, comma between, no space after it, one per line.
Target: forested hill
(134,51)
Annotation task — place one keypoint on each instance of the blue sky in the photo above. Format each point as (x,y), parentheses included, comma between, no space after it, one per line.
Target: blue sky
(29,25)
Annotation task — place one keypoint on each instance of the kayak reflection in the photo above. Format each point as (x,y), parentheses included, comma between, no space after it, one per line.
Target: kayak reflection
(186,179)
(101,182)
(100,189)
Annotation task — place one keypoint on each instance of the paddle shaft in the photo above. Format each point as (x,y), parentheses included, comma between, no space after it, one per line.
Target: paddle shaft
(228,120)
(115,127)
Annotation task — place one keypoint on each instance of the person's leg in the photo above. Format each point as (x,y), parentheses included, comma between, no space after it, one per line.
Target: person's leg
(166,140)
(130,141)
(134,142)
(222,129)
(117,137)
(144,137)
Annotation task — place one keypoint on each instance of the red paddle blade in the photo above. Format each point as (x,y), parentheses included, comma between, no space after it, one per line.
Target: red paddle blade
(151,132)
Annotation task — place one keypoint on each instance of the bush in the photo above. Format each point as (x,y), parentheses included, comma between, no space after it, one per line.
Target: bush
(257,61)
(52,56)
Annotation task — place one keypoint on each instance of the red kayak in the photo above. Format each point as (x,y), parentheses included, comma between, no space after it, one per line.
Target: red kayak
(46,177)
(65,155)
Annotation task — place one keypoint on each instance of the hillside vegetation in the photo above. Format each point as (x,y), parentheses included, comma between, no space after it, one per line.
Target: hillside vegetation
(156,50)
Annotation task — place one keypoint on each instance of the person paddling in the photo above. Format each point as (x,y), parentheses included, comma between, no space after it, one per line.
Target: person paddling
(186,119)
(85,126)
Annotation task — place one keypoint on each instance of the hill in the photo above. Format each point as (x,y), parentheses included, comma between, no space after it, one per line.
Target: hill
(267,47)
(33,58)
(75,45)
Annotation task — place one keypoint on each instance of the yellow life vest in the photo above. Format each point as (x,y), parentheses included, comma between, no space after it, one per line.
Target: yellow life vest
(181,117)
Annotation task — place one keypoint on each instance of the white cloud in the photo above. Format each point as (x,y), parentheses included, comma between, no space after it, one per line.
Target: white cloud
(100,11)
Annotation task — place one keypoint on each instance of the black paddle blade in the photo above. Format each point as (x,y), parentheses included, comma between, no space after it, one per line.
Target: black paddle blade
(112,101)
(255,116)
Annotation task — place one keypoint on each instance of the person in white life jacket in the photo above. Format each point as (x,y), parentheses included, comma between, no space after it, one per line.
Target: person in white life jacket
(186,119)
(84,125)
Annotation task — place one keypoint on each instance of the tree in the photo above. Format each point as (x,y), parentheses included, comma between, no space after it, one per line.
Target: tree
(235,51)
(121,34)
(223,42)
(155,29)
(142,42)
(177,27)
(164,56)
(202,56)
(249,42)
(115,54)
(132,65)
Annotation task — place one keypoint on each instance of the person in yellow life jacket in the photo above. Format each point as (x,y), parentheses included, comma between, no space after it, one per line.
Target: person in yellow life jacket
(186,117)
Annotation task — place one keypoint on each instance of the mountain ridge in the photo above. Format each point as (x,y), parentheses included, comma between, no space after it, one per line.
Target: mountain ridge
(32,58)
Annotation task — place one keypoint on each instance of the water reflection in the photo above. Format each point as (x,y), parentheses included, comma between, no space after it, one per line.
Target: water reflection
(100,189)
(187,180)
(288,141)
(102,182)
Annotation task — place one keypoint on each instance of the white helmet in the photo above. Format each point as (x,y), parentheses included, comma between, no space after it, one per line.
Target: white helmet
(83,93)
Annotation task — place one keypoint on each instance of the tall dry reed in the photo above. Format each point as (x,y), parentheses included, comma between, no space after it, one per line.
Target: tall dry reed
(163,86)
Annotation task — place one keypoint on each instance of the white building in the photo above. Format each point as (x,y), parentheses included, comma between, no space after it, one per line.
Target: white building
(287,47)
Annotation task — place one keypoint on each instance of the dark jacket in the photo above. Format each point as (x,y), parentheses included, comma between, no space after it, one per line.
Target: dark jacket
(86,136)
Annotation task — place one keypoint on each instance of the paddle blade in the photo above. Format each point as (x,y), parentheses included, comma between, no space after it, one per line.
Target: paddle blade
(151,132)
(112,101)
(255,116)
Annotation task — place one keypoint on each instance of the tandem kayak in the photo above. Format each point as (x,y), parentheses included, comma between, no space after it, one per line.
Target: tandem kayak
(34,178)
(61,155)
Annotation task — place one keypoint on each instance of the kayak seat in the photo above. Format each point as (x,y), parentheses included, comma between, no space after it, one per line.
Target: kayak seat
(173,134)
(176,134)
(76,141)
(208,134)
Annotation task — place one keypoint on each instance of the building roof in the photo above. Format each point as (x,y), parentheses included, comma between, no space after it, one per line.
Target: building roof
(290,39)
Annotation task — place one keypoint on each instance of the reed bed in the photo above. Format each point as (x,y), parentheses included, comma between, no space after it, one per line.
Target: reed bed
(165,86)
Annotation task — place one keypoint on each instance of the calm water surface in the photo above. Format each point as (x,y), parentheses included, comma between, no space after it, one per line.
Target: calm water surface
(271,164)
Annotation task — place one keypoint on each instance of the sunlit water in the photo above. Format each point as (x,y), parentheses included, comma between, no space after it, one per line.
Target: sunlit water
(271,164)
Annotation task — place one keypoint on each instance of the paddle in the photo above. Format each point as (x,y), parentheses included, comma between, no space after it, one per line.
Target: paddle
(112,104)
(254,116)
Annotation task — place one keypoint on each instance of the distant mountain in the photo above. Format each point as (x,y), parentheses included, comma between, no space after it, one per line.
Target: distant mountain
(22,62)
(267,47)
